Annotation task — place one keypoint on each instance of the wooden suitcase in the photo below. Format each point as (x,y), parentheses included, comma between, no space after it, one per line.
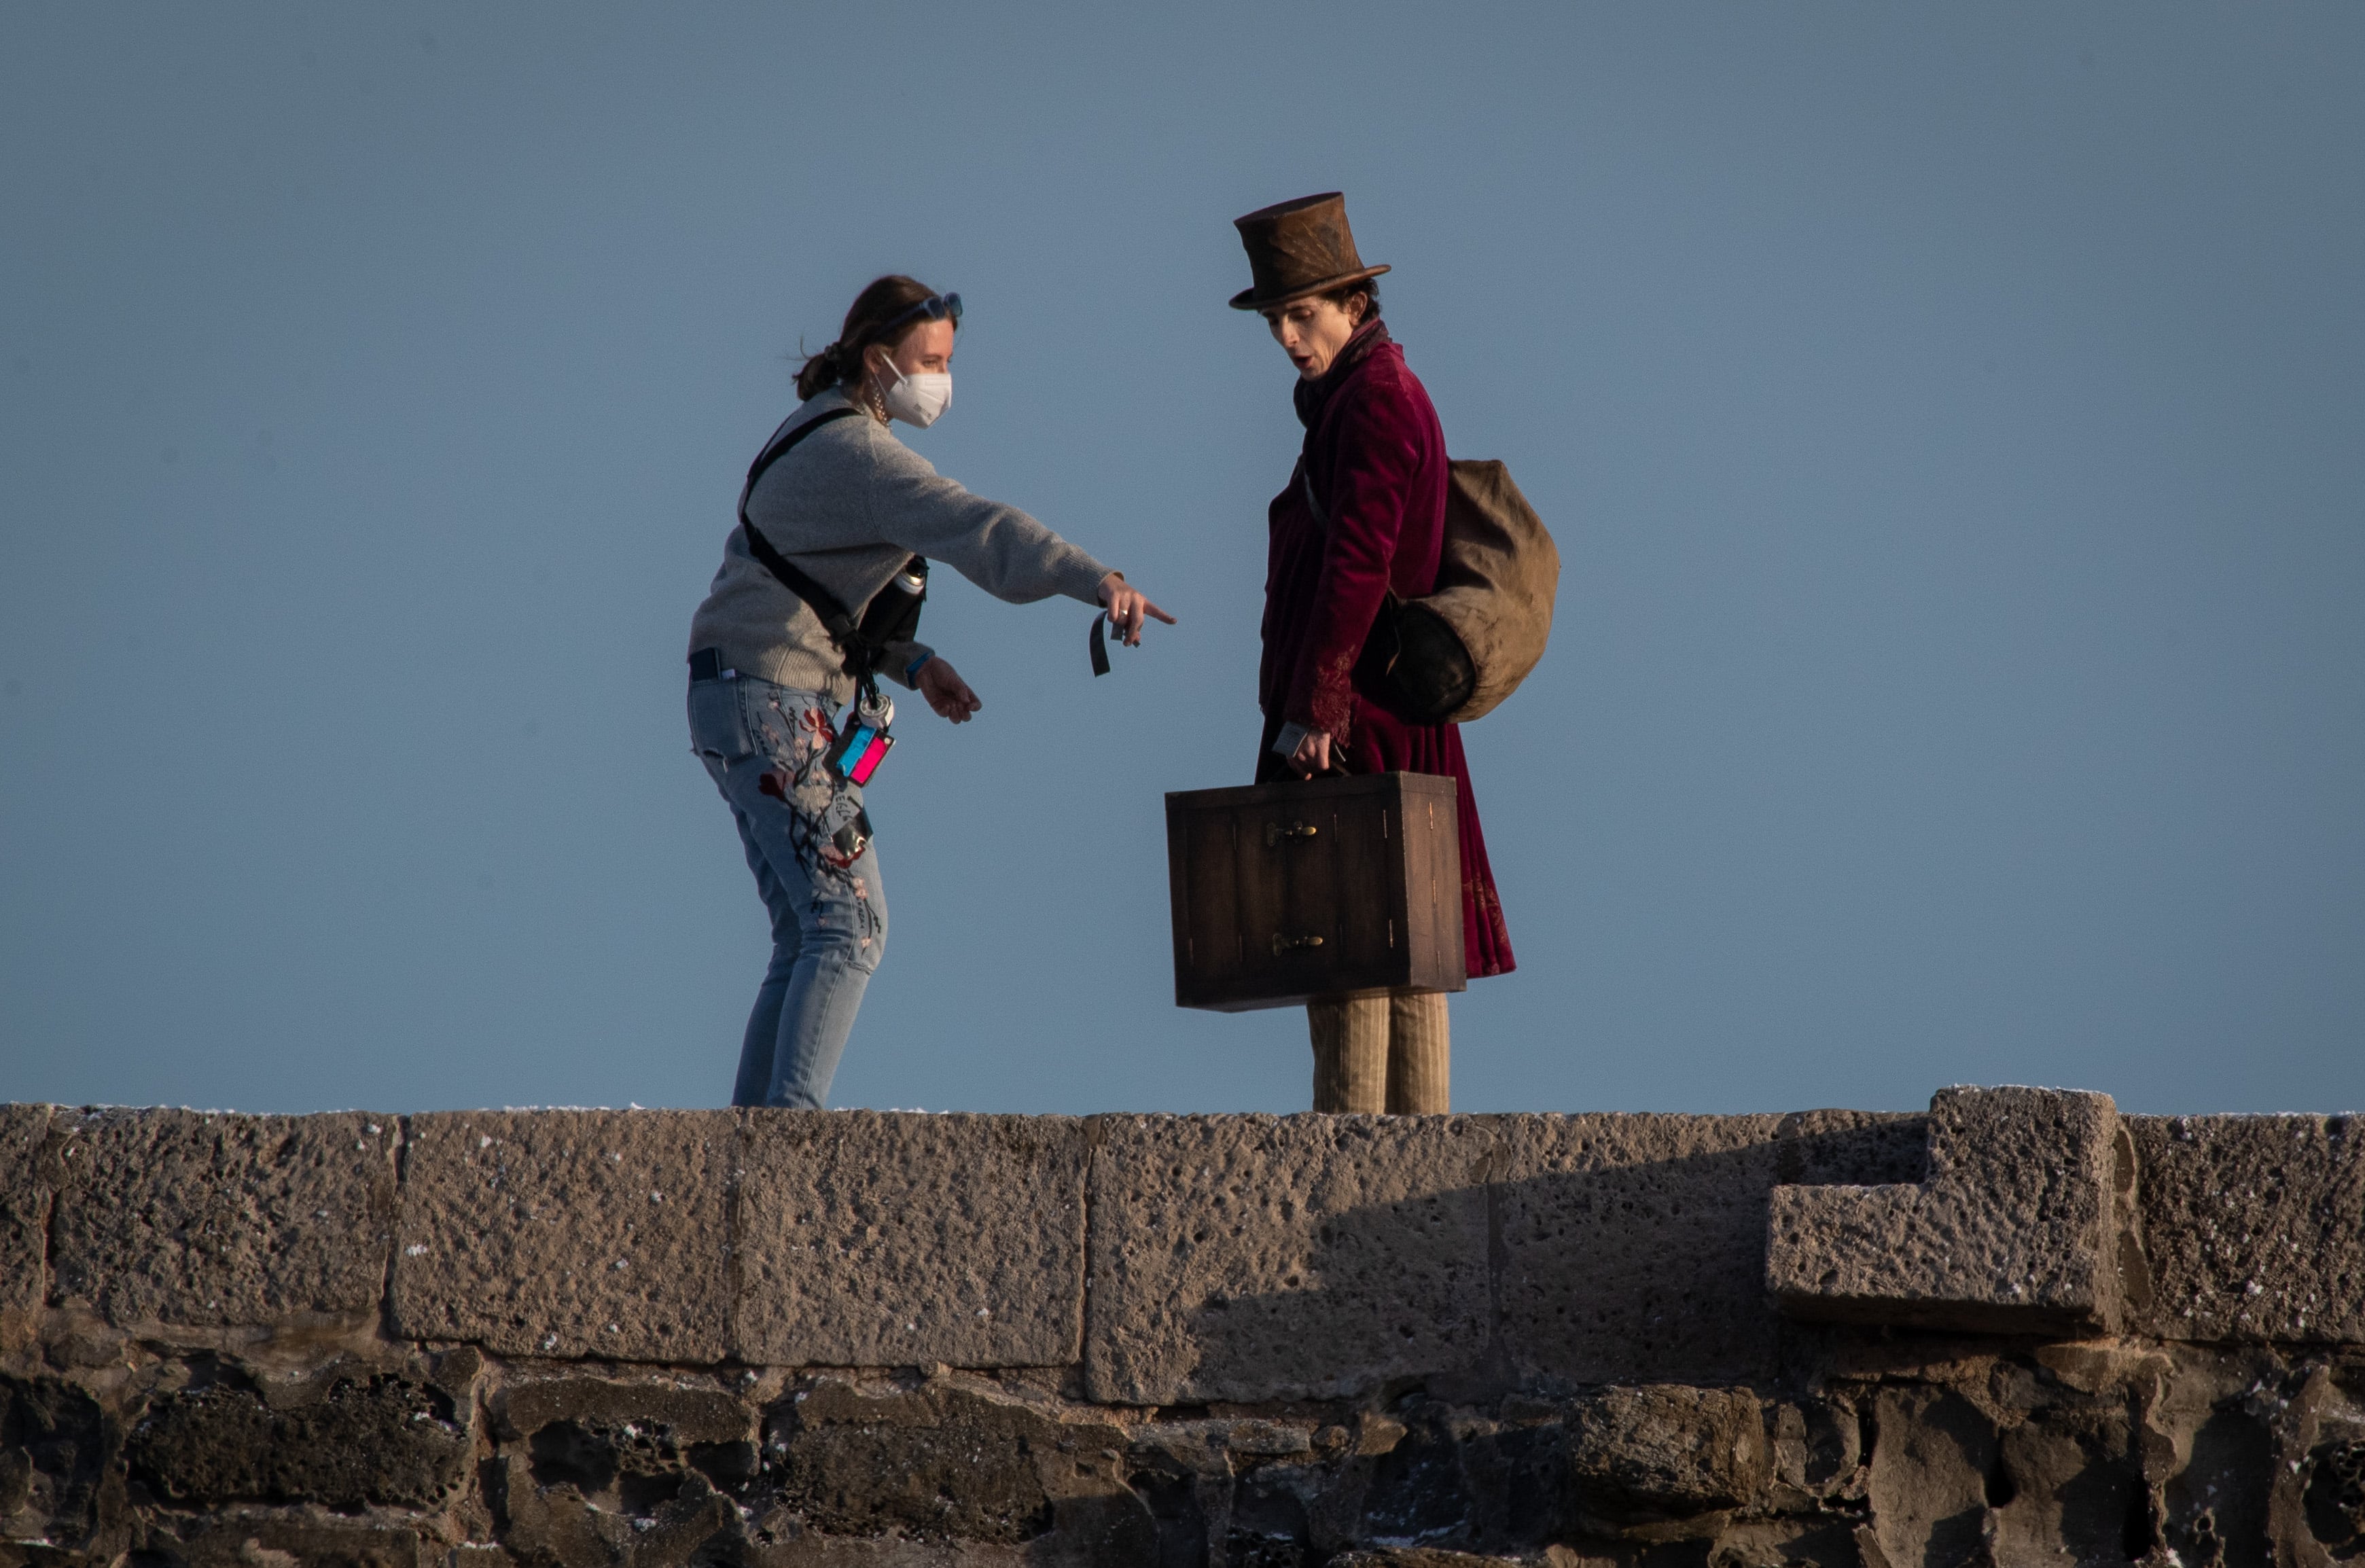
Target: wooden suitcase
(1325,888)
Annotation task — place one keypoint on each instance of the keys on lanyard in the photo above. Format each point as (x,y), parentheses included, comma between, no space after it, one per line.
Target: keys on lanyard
(865,742)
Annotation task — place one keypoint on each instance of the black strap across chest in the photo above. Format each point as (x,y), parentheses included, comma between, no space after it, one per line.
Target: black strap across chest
(860,650)
(793,578)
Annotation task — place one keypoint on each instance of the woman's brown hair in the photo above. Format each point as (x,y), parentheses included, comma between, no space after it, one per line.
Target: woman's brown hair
(876,305)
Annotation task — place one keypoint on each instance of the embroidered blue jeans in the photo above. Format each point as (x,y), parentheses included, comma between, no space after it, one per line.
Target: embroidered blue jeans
(766,747)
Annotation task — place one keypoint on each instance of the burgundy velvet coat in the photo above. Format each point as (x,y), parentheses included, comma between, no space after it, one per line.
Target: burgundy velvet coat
(1376,455)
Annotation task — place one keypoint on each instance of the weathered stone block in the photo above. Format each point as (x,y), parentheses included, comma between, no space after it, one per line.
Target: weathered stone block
(24,1210)
(2015,1231)
(567,1233)
(1428,1557)
(1930,1478)
(205,1219)
(818,1550)
(677,1411)
(556,1524)
(2254,1228)
(57,1446)
(1244,1258)
(941,1461)
(1633,1246)
(1669,1450)
(874,1239)
(599,1469)
(267,1540)
(382,1439)
(1852,1148)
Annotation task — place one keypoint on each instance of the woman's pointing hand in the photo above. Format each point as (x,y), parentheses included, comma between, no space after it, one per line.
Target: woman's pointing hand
(1127,607)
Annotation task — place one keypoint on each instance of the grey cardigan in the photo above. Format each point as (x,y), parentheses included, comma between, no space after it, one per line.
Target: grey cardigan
(850,504)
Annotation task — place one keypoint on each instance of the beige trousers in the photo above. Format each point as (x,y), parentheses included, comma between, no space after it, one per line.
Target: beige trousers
(1381,1054)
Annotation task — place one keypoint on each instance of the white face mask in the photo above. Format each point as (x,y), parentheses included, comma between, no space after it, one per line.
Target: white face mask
(919,399)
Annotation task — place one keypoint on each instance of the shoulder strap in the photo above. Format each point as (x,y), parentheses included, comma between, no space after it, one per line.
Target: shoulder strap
(834,618)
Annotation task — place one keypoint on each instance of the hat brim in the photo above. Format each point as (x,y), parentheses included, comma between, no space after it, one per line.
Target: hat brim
(1248,298)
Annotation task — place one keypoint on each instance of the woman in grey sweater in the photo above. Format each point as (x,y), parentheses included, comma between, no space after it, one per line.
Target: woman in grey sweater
(841,514)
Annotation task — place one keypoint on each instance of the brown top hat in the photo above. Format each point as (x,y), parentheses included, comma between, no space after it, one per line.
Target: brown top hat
(1298,248)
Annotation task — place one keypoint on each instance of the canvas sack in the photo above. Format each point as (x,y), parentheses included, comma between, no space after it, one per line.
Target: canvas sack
(1452,656)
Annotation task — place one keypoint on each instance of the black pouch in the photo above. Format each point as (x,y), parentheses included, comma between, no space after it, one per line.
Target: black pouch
(853,838)
(1417,663)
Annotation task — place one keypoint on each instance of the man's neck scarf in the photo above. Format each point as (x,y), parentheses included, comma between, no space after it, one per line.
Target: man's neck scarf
(1310,395)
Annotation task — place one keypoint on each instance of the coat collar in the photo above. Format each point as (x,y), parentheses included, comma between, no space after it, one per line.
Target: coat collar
(1312,396)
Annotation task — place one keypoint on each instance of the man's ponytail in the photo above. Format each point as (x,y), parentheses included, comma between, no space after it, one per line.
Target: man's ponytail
(840,363)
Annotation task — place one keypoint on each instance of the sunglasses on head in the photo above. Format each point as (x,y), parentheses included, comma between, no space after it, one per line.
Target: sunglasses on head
(934,308)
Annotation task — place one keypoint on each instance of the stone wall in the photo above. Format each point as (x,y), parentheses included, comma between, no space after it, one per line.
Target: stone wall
(2019,1329)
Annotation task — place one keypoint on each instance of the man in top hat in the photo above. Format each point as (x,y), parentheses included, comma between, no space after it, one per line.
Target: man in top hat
(1363,513)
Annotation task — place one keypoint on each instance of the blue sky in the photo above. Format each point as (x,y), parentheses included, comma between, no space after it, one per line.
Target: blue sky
(1953,420)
